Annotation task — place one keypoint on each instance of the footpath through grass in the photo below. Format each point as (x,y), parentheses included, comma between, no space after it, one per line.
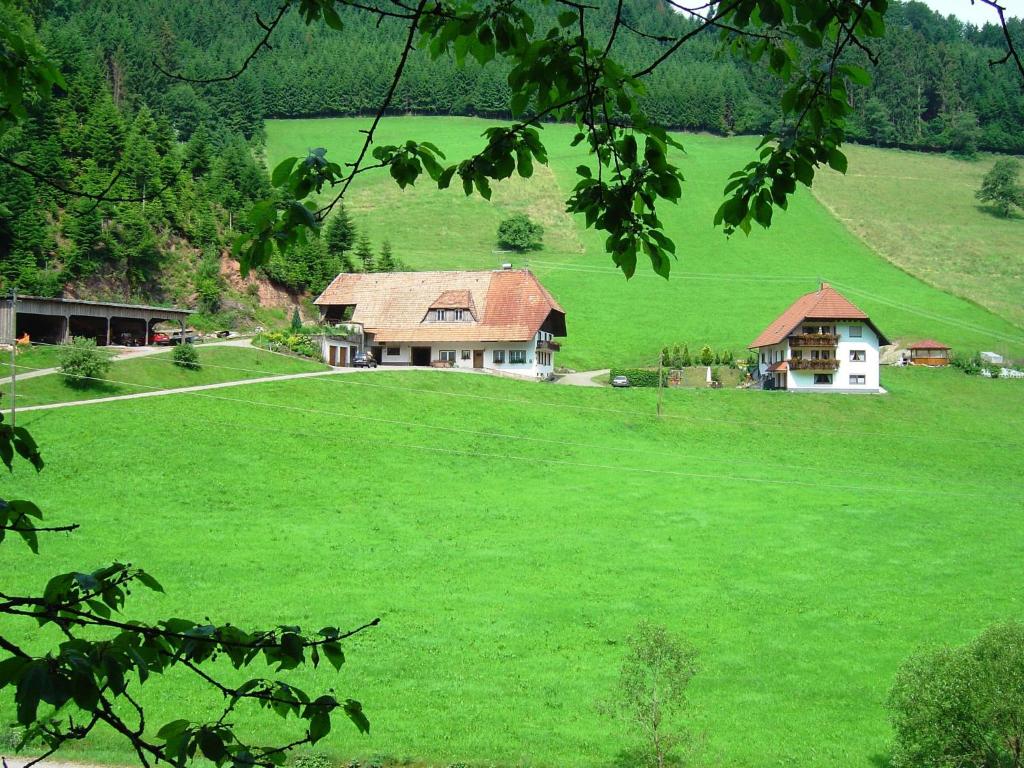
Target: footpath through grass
(145,374)
(723,291)
(510,535)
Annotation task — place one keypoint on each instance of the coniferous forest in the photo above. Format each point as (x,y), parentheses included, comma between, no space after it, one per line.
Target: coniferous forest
(193,151)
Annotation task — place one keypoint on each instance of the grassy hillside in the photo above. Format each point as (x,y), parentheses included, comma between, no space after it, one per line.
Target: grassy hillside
(722,292)
(806,545)
(144,374)
(919,211)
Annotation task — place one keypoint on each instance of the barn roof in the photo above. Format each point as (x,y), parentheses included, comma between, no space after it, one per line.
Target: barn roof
(506,305)
(826,303)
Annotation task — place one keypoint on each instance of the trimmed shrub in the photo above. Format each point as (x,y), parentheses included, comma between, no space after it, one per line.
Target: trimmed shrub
(311,760)
(186,356)
(706,356)
(82,363)
(638,377)
(685,361)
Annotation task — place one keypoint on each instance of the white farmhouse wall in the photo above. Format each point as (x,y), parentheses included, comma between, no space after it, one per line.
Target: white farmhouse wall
(531,368)
(803,381)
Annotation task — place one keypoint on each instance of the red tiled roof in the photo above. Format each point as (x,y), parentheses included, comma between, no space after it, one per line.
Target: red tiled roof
(781,365)
(826,303)
(453,300)
(928,344)
(508,305)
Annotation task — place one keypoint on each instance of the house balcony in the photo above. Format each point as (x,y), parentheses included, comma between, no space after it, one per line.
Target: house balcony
(814,340)
(808,364)
(550,346)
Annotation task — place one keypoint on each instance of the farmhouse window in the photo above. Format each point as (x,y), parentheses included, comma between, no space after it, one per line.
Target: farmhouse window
(393,351)
(856,331)
(857,379)
(498,356)
(762,357)
(458,314)
(858,356)
(823,378)
(517,356)
(448,355)
(466,354)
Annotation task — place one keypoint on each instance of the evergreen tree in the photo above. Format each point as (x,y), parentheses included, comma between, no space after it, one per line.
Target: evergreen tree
(199,153)
(365,255)
(387,261)
(341,235)
(296,321)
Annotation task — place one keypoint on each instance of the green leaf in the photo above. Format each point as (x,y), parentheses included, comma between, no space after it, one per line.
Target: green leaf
(149,581)
(172,729)
(282,171)
(859,75)
(319,726)
(354,710)
(837,160)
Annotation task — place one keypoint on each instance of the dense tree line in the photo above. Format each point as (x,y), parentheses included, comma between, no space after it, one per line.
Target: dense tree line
(932,89)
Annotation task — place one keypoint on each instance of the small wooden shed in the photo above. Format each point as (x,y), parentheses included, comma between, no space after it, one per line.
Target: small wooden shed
(929,352)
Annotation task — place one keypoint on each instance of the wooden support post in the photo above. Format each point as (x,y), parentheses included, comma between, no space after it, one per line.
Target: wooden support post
(660,381)
(108,330)
(14,354)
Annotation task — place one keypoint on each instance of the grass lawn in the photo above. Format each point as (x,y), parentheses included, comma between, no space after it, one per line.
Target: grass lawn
(723,292)
(919,211)
(144,374)
(510,535)
(33,358)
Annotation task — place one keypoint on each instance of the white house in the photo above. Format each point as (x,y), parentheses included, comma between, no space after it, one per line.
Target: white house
(497,320)
(822,343)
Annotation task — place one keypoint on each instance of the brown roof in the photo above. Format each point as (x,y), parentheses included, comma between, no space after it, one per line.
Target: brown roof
(508,305)
(781,365)
(928,344)
(826,303)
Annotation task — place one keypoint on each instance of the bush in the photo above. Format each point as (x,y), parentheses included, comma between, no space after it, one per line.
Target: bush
(300,344)
(638,377)
(961,705)
(520,234)
(186,356)
(82,363)
(311,760)
(706,357)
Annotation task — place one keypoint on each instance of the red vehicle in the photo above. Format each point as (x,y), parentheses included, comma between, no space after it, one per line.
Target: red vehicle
(159,338)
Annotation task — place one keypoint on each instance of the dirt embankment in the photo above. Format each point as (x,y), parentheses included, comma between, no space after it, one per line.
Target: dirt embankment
(270,295)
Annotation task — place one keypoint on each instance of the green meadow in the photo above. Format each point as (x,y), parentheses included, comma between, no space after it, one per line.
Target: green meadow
(511,535)
(145,374)
(723,291)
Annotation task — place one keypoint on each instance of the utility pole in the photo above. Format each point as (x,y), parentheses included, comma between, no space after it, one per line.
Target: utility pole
(14,353)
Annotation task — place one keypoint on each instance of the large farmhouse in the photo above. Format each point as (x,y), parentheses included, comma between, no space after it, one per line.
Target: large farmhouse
(822,343)
(498,320)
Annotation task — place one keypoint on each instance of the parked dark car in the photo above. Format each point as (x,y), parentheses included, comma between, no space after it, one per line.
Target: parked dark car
(620,381)
(191,337)
(364,360)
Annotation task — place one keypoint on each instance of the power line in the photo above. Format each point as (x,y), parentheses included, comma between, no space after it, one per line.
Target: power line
(584,465)
(345,380)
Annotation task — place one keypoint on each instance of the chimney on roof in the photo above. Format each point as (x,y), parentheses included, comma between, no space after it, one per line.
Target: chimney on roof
(824,285)
(507,265)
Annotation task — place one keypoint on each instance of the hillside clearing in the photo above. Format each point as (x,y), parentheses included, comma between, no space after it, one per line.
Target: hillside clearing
(722,292)
(919,211)
(510,535)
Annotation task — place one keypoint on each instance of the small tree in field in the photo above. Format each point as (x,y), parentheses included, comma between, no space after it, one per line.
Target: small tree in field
(652,691)
(186,356)
(685,360)
(365,255)
(1000,187)
(962,706)
(296,321)
(706,356)
(520,234)
(82,363)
